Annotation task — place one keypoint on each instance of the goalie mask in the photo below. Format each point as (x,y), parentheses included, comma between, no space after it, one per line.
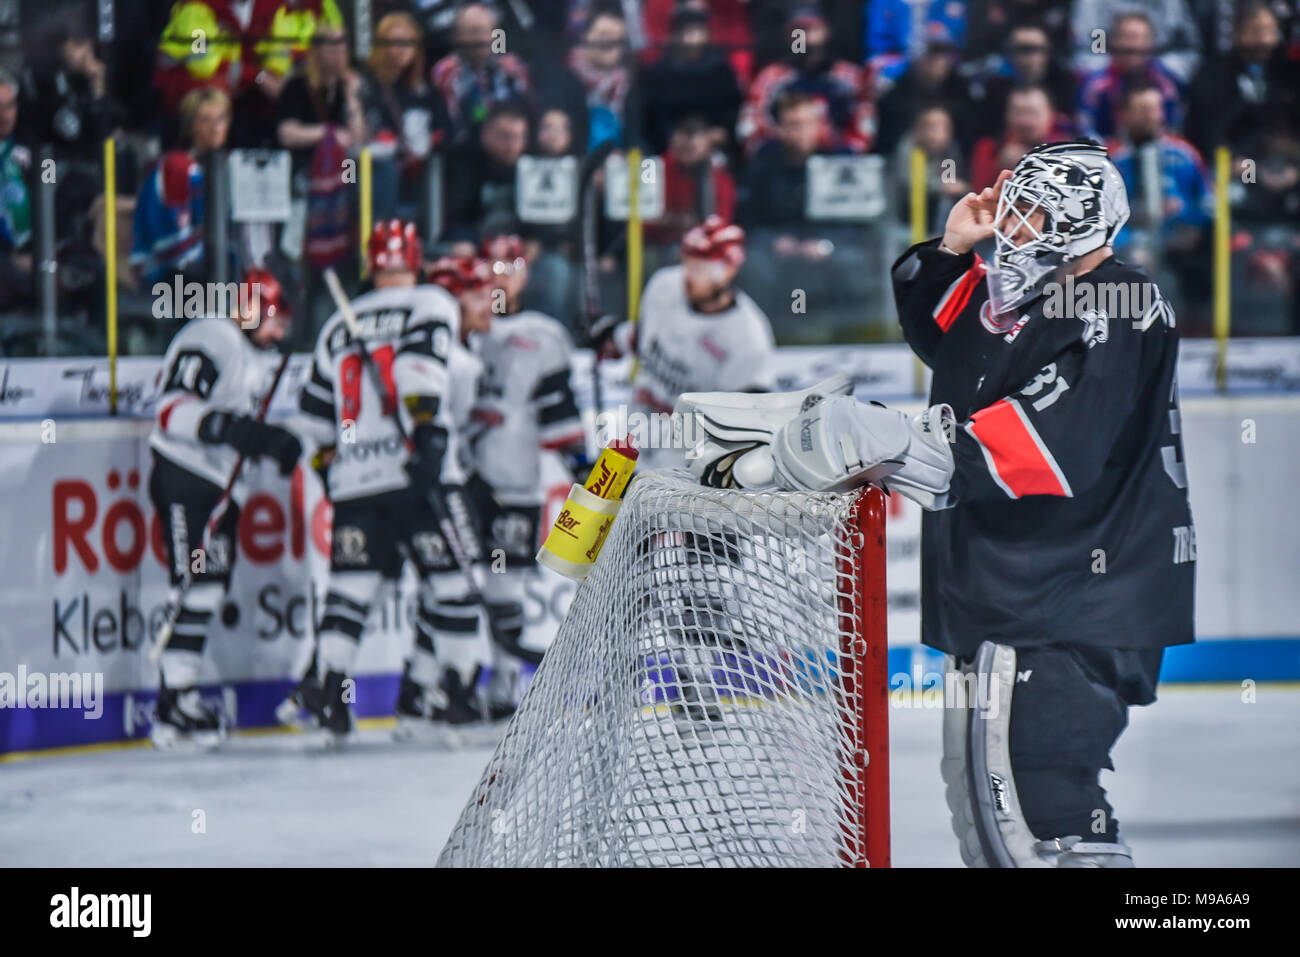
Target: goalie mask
(1063,200)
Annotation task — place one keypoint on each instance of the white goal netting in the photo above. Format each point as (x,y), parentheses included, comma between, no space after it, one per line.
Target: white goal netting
(705,701)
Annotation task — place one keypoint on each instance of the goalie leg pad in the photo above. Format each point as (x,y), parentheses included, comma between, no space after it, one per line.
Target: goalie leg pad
(980,786)
(1004,837)
(953,766)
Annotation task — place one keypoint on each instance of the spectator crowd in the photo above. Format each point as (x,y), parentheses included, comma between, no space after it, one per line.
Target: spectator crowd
(735,97)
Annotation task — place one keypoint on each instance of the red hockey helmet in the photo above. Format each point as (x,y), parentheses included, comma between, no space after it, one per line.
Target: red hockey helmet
(504,253)
(269,294)
(394,245)
(460,274)
(717,240)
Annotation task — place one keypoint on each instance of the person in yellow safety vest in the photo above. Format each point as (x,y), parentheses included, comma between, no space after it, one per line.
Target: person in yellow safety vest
(245,48)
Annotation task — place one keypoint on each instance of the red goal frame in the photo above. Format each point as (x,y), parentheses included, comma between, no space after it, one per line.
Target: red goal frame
(865,683)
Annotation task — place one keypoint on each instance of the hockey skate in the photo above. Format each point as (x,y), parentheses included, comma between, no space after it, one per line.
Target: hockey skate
(334,716)
(414,711)
(303,704)
(501,695)
(183,721)
(448,717)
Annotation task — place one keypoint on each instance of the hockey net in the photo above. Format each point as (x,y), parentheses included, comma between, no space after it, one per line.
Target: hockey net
(716,695)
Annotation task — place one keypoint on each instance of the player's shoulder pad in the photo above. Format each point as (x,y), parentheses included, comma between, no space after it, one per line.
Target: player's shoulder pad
(434,298)
(752,314)
(549,332)
(665,278)
(431,303)
(213,334)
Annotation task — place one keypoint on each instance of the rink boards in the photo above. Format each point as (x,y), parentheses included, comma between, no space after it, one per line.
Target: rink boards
(83,581)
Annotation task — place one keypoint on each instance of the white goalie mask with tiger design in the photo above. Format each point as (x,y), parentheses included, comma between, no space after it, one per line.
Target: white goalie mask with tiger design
(1083,203)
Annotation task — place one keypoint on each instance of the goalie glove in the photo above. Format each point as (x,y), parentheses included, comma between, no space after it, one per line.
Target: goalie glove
(841,443)
(729,433)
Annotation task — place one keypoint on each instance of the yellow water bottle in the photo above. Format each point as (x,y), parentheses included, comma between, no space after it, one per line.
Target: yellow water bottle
(584,522)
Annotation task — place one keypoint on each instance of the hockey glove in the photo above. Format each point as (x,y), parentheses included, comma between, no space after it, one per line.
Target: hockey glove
(425,464)
(251,438)
(611,337)
(321,460)
(840,443)
(727,434)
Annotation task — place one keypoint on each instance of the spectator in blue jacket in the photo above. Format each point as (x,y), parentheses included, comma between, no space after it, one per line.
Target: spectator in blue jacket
(1183,183)
(1131,44)
(890,42)
(1170,198)
(168,224)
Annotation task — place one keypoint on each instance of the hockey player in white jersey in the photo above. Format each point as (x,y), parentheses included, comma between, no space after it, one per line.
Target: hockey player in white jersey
(381,486)
(525,405)
(213,380)
(696,333)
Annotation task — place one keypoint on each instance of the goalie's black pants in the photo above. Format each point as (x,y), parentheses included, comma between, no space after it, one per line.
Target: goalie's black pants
(1069,707)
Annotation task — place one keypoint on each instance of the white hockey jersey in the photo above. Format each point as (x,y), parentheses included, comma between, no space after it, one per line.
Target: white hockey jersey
(210,366)
(466,370)
(681,350)
(525,404)
(411,332)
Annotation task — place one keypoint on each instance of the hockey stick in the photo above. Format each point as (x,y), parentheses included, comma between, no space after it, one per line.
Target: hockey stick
(589,225)
(218,512)
(441,511)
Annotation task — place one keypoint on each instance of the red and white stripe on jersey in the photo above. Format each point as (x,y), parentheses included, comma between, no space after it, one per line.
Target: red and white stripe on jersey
(957,296)
(1017,458)
(564,440)
(165,411)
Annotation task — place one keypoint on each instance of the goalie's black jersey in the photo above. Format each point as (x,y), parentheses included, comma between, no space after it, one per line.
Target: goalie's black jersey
(1071,522)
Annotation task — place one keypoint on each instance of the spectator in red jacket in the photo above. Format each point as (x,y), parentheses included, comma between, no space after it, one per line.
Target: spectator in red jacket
(1030,120)
(844,89)
(728,23)
(691,167)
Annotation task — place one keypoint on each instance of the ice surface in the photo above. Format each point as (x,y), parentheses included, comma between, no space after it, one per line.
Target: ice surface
(1202,779)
